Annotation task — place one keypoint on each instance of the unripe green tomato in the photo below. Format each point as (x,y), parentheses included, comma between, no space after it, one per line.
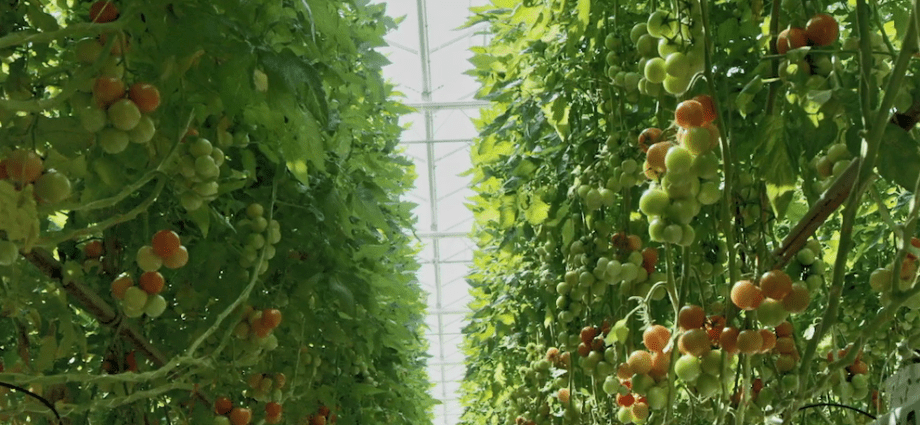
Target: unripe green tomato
(113,140)
(200,146)
(665,47)
(124,114)
(805,256)
(624,415)
(635,257)
(880,280)
(655,70)
(206,168)
(678,160)
(206,189)
(673,233)
(661,24)
(629,272)
(88,50)
(611,385)
(190,200)
(647,46)
(52,187)
(711,363)
(688,235)
(675,85)
(709,193)
(657,398)
(771,312)
(642,383)
(656,229)
(610,42)
(648,88)
(687,368)
(637,32)
(790,383)
(566,316)
(611,58)
(654,202)
(155,306)
(144,131)
(135,298)
(92,118)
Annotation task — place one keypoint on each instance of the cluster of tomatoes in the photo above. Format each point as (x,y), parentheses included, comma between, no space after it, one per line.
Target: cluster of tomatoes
(821,30)
(119,115)
(258,323)
(323,416)
(23,168)
(774,298)
(684,174)
(165,249)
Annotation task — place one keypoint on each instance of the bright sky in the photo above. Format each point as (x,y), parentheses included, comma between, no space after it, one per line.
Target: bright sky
(443,219)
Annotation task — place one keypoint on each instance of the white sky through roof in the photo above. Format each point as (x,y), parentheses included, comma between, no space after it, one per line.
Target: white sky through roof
(427,67)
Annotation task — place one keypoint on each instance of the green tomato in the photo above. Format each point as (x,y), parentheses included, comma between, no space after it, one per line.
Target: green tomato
(678,160)
(92,118)
(124,115)
(661,25)
(709,193)
(610,41)
(698,140)
(611,385)
(52,187)
(771,312)
(675,85)
(687,368)
(655,70)
(144,130)
(657,398)
(654,202)
(155,306)
(711,363)
(88,50)
(666,47)
(135,298)
(806,256)
(636,32)
(677,64)
(200,147)
(647,46)
(880,280)
(206,168)
(113,140)
(673,233)
(656,229)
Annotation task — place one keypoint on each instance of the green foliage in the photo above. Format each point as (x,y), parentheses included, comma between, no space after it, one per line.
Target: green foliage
(300,121)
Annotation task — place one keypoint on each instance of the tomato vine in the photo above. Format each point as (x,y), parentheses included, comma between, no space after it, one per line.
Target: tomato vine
(200,216)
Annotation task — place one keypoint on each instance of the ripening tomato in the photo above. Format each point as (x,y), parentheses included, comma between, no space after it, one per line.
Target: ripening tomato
(165,243)
(146,96)
(106,90)
(689,113)
(223,405)
(24,166)
(103,11)
(822,30)
(790,38)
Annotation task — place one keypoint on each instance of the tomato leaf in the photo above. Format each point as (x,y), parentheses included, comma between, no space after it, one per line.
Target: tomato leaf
(899,159)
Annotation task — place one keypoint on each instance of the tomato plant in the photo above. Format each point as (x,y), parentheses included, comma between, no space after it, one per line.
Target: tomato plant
(779,168)
(192,193)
